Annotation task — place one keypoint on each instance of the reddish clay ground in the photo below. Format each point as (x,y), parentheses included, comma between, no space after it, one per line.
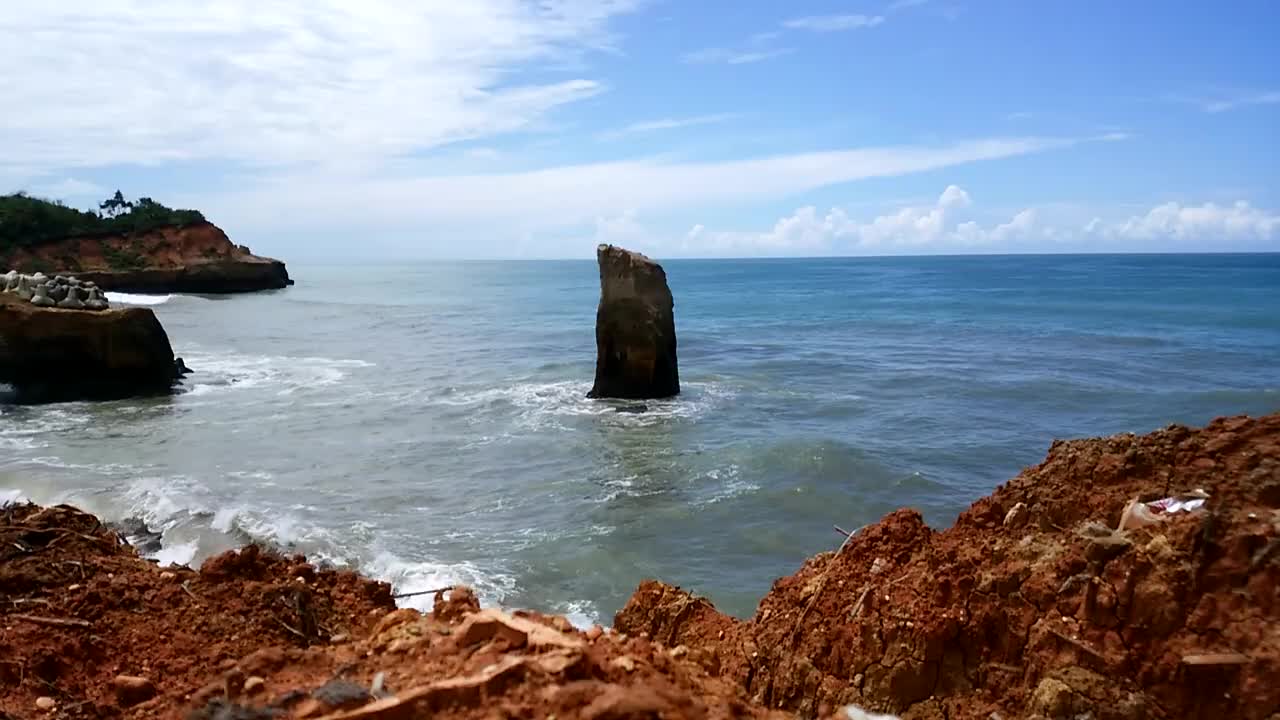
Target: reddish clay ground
(1030,606)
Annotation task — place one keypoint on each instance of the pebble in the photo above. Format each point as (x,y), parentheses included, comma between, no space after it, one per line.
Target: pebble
(594,633)
(254,685)
(166,575)
(74,588)
(133,689)
(339,638)
(46,703)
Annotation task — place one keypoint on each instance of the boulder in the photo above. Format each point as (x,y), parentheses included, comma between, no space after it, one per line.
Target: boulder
(635,328)
(53,355)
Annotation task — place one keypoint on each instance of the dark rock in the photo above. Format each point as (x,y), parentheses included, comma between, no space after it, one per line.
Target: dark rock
(135,531)
(632,409)
(635,328)
(180,368)
(339,693)
(50,355)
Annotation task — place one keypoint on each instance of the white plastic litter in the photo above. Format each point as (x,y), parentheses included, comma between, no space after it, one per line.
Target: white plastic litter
(1139,514)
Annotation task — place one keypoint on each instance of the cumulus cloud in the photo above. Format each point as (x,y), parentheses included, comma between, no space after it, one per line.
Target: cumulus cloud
(1238,221)
(99,82)
(833,23)
(943,227)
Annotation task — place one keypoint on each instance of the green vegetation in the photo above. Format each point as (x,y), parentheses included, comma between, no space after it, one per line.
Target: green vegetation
(26,221)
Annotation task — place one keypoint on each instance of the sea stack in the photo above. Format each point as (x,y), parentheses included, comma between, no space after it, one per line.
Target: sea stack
(635,329)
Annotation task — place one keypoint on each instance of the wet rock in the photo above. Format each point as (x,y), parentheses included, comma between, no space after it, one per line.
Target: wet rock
(136,533)
(133,689)
(635,329)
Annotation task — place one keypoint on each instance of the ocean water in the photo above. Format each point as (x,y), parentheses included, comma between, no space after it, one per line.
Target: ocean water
(427,423)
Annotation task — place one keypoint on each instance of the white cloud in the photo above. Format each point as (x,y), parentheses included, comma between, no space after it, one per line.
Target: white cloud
(483,153)
(1238,221)
(69,188)
(1226,101)
(562,197)
(734,57)
(649,126)
(98,82)
(1238,101)
(942,227)
(905,4)
(833,23)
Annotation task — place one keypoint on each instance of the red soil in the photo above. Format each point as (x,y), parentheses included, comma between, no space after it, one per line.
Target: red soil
(1030,606)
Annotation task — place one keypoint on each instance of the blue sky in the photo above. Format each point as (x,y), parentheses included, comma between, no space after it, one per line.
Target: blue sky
(330,130)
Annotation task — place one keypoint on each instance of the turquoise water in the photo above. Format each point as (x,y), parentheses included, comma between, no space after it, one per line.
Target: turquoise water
(427,423)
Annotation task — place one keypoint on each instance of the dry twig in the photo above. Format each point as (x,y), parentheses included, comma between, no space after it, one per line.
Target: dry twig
(57,622)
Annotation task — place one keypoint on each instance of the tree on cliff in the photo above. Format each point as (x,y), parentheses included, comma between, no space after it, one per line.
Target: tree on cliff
(115,205)
(27,221)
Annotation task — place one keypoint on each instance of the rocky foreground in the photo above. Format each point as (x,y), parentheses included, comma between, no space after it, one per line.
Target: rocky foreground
(1033,605)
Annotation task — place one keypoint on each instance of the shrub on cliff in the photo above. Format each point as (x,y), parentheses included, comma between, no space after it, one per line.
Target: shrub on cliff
(27,221)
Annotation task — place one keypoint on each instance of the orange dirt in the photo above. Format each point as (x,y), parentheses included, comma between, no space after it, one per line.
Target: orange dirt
(254,635)
(197,258)
(1025,608)
(1031,606)
(164,248)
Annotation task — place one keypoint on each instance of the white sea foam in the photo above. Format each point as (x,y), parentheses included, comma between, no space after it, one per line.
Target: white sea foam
(224,371)
(11,495)
(119,298)
(543,405)
(582,614)
(407,576)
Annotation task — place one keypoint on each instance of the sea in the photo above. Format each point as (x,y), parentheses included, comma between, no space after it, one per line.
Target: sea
(427,424)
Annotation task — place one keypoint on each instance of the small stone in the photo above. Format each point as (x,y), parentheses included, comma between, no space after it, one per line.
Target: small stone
(1052,698)
(46,703)
(625,662)
(594,633)
(1017,515)
(254,685)
(339,638)
(73,588)
(166,575)
(133,689)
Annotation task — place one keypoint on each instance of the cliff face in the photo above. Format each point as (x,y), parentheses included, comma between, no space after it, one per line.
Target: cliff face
(1058,596)
(197,258)
(51,355)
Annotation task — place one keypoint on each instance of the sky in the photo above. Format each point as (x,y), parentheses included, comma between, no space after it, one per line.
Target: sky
(332,130)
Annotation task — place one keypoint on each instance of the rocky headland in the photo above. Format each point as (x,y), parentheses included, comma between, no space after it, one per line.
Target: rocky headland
(1122,578)
(138,247)
(195,258)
